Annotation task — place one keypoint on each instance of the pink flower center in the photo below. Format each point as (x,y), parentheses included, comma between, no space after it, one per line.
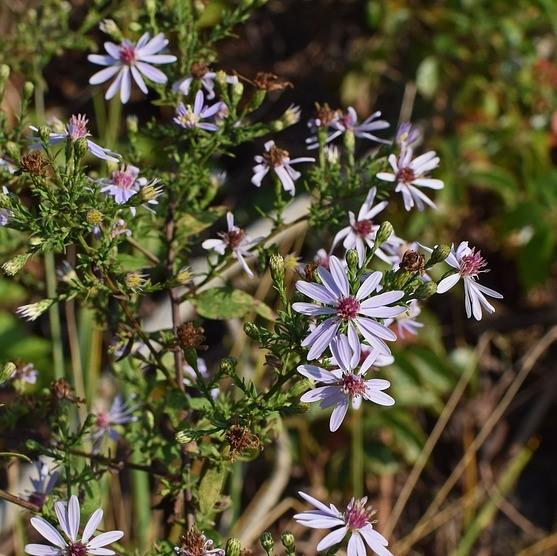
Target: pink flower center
(127,54)
(472,264)
(406,175)
(234,237)
(77,549)
(357,515)
(122,179)
(348,308)
(103,420)
(353,385)
(77,127)
(363,227)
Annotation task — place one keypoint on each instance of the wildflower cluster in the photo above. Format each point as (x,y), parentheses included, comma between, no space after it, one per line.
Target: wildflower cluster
(152,244)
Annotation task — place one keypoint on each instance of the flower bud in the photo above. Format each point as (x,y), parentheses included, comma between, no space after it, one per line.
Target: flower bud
(257,99)
(44,133)
(34,310)
(134,281)
(267,542)
(110,27)
(28,89)
(237,92)
(252,331)
(352,259)
(227,365)
(233,547)
(349,141)
(400,279)
(439,254)
(184,276)
(135,27)
(427,289)
(81,147)
(132,124)
(291,116)
(384,233)
(12,149)
(288,541)
(7,372)
(183,437)
(276,264)
(4,75)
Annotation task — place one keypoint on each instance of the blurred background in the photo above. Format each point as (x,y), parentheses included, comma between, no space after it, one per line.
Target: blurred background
(465,462)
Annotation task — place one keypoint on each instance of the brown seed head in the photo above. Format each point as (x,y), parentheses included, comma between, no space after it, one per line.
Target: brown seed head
(239,439)
(412,262)
(34,163)
(270,82)
(191,336)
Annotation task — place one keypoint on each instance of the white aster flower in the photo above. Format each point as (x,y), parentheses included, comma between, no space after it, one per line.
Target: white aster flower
(190,117)
(410,175)
(120,413)
(236,240)
(348,121)
(123,184)
(75,129)
(363,230)
(72,545)
(406,324)
(469,263)
(358,312)
(26,373)
(128,60)
(345,384)
(279,161)
(200,72)
(406,136)
(355,522)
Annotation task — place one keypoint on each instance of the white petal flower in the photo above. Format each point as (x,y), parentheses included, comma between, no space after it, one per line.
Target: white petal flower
(280,162)
(469,263)
(72,545)
(120,413)
(354,523)
(411,174)
(191,117)
(128,61)
(346,384)
(362,231)
(357,311)
(236,240)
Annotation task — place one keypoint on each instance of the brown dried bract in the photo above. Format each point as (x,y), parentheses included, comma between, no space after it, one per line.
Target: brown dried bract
(240,438)
(270,82)
(199,69)
(191,336)
(325,114)
(34,163)
(412,262)
(193,543)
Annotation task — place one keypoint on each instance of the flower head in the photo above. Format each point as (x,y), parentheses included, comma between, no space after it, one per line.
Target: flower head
(411,174)
(280,162)
(469,263)
(406,324)
(200,72)
(131,60)
(34,310)
(357,312)
(76,129)
(407,135)
(191,117)
(346,384)
(123,184)
(120,413)
(363,230)
(355,522)
(26,373)
(72,545)
(195,543)
(234,240)
(42,484)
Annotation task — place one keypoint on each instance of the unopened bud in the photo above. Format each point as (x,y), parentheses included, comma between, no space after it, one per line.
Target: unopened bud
(110,27)
(183,437)
(184,276)
(7,372)
(349,141)
(352,259)
(237,92)
(252,331)
(292,115)
(288,541)
(384,233)
(36,240)
(427,289)
(267,542)
(257,99)
(4,75)
(44,133)
(401,279)
(439,254)
(132,124)
(15,264)
(233,547)
(28,89)
(81,147)
(227,365)
(276,264)
(12,149)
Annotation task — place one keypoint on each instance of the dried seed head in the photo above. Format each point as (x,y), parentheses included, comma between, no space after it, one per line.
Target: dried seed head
(239,439)
(191,336)
(412,261)
(34,163)
(270,82)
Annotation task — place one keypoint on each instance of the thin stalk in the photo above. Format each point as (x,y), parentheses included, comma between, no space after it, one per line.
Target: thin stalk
(357,453)
(54,317)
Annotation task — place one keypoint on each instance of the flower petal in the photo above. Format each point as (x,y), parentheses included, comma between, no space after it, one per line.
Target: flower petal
(334,537)
(48,531)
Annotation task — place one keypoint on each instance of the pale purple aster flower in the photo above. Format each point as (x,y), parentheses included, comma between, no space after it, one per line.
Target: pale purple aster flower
(5,216)
(205,77)
(191,376)
(469,263)
(43,484)
(363,230)
(279,161)
(68,518)
(120,228)
(406,324)
(123,184)
(355,522)
(234,239)
(75,129)
(120,413)
(128,60)
(407,135)
(322,258)
(410,175)
(190,117)
(348,121)
(345,384)
(358,312)
(8,166)
(26,373)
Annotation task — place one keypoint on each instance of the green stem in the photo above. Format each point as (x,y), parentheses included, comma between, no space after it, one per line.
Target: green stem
(357,453)
(54,316)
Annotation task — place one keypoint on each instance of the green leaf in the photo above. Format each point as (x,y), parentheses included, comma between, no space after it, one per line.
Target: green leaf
(191,224)
(224,303)
(210,489)
(427,76)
